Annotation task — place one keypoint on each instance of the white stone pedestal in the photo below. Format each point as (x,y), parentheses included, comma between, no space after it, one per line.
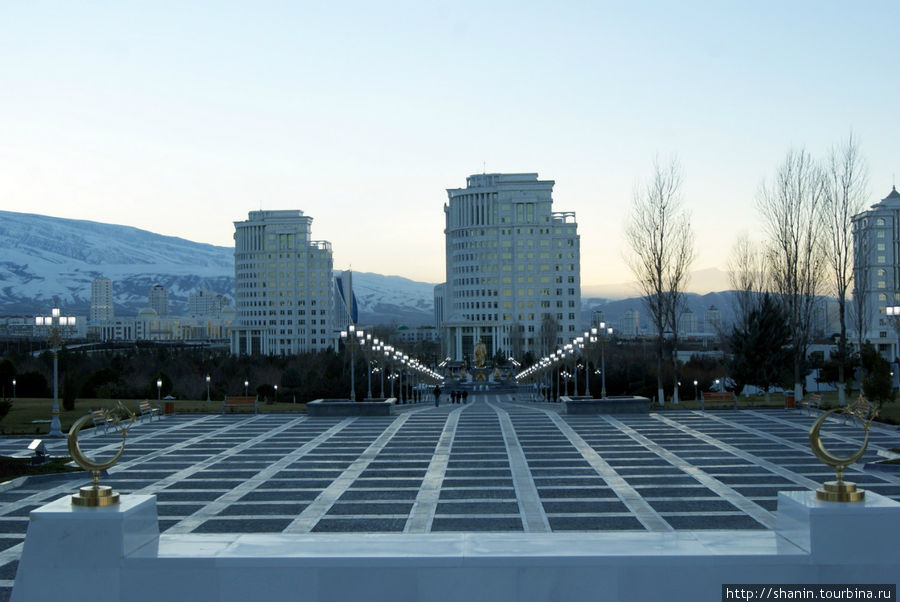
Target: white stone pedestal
(861,532)
(70,549)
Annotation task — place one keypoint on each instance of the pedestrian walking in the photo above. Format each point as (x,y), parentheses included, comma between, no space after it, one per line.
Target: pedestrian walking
(465,396)
(437,395)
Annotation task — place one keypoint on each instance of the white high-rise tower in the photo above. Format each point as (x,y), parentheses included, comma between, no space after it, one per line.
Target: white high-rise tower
(283,284)
(513,268)
(102,300)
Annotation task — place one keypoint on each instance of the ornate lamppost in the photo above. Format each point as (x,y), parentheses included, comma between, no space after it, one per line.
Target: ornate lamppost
(14,388)
(246,384)
(158,389)
(207,389)
(603,335)
(58,327)
(352,338)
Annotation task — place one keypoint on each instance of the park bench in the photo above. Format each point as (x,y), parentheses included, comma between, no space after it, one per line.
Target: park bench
(145,408)
(102,419)
(239,401)
(812,400)
(716,397)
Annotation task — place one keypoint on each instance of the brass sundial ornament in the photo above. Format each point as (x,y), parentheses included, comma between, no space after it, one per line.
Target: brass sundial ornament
(841,490)
(96,494)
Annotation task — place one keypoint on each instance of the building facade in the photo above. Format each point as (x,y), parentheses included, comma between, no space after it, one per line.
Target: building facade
(876,273)
(284,286)
(513,268)
(102,300)
(206,303)
(159,300)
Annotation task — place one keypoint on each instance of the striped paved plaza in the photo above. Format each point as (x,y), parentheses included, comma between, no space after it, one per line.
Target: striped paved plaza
(489,465)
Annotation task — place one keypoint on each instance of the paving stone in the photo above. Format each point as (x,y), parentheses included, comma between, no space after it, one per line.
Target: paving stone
(8,570)
(13,526)
(703,505)
(576,492)
(595,523)
(584,506)
(481,507)
(263,509)
(350,508)
(472,523)
(249,525)
(366,525)
(707,521)
(178,509)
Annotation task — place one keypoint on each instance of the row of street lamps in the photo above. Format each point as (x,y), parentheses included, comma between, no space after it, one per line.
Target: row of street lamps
(597,336)
(375,351)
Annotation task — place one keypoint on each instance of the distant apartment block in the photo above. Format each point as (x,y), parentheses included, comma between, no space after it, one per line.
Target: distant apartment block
(159,300)
(413,336)
(876,238)
(512,264)
(102,300)
(284,288)
(629,325)
(206,303)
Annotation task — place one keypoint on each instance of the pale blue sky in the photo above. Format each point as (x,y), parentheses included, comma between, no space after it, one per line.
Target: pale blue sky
(180,117)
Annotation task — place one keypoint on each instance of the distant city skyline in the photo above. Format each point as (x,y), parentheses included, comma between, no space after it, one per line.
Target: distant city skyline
(180,119)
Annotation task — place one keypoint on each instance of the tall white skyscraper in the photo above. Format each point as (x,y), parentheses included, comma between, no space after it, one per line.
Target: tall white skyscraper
(875,272)
(513,268)
(284,286)
(102,300)
(159,300)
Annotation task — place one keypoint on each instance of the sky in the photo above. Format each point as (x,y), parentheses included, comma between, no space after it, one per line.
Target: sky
(181,117)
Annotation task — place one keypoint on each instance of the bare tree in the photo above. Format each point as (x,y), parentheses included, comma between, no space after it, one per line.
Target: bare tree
(660,253)
(859,308)
(792,209)
(845,196)
(747,274)
(516,340)
(548,335)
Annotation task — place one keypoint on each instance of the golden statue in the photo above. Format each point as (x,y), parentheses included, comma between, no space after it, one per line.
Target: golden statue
(480,353)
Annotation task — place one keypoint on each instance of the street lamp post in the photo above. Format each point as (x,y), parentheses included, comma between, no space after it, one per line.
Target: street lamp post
(367,348)
(158,389)
(246,384)
(276,393)
(58,328)
(605,334)
(14,388)
(207,389)
(352,338)
(696,392)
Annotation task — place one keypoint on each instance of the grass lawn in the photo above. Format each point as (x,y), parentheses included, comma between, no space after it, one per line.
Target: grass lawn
(21,419)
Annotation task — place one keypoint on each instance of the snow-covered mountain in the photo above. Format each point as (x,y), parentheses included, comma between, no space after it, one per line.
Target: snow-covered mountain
(45,257)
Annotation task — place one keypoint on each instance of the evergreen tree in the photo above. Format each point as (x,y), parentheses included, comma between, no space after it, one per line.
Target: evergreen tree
(761,351)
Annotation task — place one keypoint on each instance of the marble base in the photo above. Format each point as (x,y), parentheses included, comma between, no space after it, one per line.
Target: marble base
(607,405)
(865,531)
(334,407)
(115,554)
(74,548)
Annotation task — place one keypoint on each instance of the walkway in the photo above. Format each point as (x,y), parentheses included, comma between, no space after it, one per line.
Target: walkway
(490,465)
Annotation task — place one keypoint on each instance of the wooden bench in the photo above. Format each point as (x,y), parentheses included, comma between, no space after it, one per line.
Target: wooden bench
(145,408)
(716,397)
(240,401)
(812,400)
(102,420)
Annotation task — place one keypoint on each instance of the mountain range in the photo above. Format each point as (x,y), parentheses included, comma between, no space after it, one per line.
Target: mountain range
(44,257)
